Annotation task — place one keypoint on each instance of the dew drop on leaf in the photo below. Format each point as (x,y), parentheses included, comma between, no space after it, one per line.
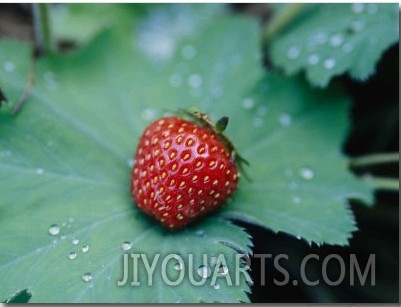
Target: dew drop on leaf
(87,277)
(149,114)
(293,53)
(313,59)
(261,111)
(75,241)
(8,66)
(195,81)
(372,8)
(204,271)
(296,199)
(329,63)
(285,120)
(85,248)
(347,47)
(200,232)
(54,230)
(357,25)
(306,173)
(216,286)
(358,8)
(248,103)
(336,40)
(40,171)
(178,266)
(223,270)
(72,255)
(213,260)
(126,246)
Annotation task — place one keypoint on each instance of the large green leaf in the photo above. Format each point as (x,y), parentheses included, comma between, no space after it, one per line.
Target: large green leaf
(65,161)
(330,39)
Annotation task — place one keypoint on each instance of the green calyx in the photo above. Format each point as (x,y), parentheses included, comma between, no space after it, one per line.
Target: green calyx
(218,128)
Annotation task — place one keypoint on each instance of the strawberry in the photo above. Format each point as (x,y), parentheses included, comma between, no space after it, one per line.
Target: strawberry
(183,169)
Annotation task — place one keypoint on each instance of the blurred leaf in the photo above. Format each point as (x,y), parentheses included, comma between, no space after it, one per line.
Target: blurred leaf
(66,160)
(330,39)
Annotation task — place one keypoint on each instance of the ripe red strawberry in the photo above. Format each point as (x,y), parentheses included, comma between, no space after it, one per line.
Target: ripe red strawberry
(183,170)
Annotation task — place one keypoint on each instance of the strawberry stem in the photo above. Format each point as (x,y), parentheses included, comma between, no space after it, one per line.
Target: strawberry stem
(204,120)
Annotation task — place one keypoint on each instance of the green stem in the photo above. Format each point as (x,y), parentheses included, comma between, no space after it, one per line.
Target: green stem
(381,158)
(281,20)
(388,184)
(42,31)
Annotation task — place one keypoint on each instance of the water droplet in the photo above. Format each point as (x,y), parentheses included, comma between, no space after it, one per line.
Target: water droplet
(296,199)
(357,25)
(313,59)
(63,237)
(40,171)
(54,230)
(126,246)
(204,271)
(8,66)
(347,47)
(72,255)
(293,53)
(217,91)
(223,270)
(329,63)
(85,248)
(306,173)
(261,111)
(336,40)
(258,122)
(358,8)
(75,241)
(188,52)
(285,120)
(372,8)
(200,232)
(213,260)
(248,103)
(195,81)
(149,114)
(317,39)
(87,277)
(216,286)
(175,80)
(178,266)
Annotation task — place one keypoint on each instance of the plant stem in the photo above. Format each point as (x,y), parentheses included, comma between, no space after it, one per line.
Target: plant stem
(41,25)
(28,85)
(281,20)
(388,184)
(381,158)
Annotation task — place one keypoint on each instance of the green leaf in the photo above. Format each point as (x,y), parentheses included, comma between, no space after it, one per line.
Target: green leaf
(328,40)
(65,161)
(300,181)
